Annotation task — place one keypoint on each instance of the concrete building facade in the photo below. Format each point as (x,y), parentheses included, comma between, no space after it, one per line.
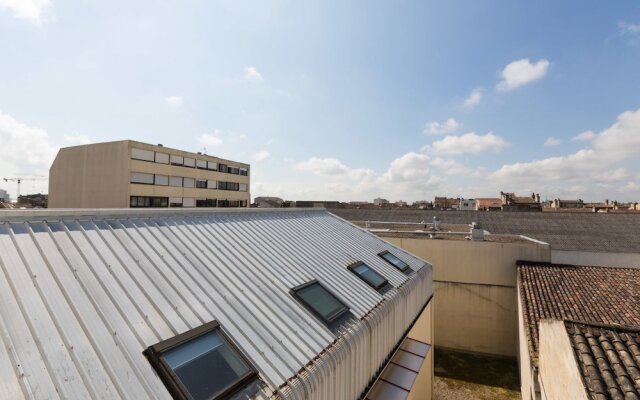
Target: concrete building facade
(127,173)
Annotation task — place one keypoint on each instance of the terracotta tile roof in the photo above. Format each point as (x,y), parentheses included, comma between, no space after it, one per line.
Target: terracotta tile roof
(608,358)
(590,294)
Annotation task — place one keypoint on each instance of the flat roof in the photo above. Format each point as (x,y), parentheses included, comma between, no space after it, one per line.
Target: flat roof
(594,232)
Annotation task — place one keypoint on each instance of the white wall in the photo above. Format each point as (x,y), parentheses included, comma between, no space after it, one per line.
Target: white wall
(599,259)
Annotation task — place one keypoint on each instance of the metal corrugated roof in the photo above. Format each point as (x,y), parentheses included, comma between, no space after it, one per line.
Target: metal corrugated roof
(83,293)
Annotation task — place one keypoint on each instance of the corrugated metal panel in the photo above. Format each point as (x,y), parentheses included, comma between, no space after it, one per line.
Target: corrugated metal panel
(83,293)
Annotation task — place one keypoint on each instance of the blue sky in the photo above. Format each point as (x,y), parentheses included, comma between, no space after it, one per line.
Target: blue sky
(337,100)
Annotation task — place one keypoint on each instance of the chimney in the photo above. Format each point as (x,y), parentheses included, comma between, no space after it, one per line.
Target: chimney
(538,197)
(160,145)
(477,233)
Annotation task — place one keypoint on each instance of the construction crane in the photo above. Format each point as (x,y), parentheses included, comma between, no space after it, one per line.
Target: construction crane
(19,180)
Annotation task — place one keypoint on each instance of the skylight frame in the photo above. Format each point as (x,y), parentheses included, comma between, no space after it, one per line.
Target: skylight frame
(326,319)
(382,255)
(171,380)
(352,268)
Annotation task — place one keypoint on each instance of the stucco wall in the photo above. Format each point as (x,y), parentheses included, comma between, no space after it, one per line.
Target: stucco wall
(475,307)
(94,176)
(423,331)
(599,259)
(559,374)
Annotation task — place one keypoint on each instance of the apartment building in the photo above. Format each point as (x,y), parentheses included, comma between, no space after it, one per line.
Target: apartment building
(127,173)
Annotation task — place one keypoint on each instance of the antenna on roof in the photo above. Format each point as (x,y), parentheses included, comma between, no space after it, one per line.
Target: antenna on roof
(204,150)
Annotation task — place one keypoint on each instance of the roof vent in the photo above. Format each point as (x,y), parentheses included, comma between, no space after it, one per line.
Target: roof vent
(477,233)
(160,145)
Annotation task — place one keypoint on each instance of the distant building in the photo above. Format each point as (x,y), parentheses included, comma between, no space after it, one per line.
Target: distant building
(267,202)
(488,204)
(559,203)
(380,201)
(423,204)
(511,202)
(467,205)
(445,203)
(33,200)
(317,204)
(4,196)
(132,174)
(401,203)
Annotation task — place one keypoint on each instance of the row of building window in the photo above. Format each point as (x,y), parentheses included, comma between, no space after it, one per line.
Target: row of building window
(164,158)
(158,202)
(178,181)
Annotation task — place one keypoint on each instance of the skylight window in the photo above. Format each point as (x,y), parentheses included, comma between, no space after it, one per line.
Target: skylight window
(371,277)
(320,301)
(395,261)
(201,364)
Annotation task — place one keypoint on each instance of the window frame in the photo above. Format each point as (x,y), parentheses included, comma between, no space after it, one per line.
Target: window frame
(405,269)
(352,268)
(173,383)
(327,320)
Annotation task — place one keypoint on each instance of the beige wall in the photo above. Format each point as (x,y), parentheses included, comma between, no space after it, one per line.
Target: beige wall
(423,331)
(559,374)
(98,176)
(475,306)
(93,176)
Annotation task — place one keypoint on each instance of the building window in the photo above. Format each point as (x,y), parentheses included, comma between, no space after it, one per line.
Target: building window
(147,201)
(243,171)
(162,158)
(139,177)
(320,301)
(212,184)
(234,170)
(144,155)
(188,202)
(177,160)
(175,201)
(371,277)
(223,168)
(212,166)
(201,184)
(206,203)
(201,364)
(175,181)
(162,180)
(189,182)
(243,187)
(201,164)
(189,162)
(395,261)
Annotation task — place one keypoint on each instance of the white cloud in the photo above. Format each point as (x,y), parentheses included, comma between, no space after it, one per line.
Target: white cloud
(33,11)
(474,98)
(174,100)
(322,166)
(441,128)
(468,143)
(210,139)
(597,165)
(522,72)
(77,139)
(450,166)
(261,155)
(550,142)
(585,136)
(252,74)
(629,28)
(25,150)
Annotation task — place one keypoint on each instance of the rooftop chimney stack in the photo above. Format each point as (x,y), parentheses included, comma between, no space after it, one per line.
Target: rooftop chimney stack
(477,233)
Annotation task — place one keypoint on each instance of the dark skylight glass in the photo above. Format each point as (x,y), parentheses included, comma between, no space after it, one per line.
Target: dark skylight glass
(320,301)
(374,279)
(200,364)
(395,261)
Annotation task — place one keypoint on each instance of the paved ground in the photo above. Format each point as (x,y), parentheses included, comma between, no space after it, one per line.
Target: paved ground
(462,376)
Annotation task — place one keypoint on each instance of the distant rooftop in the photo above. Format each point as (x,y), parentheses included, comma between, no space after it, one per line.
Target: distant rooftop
(597,232)
(591,294)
